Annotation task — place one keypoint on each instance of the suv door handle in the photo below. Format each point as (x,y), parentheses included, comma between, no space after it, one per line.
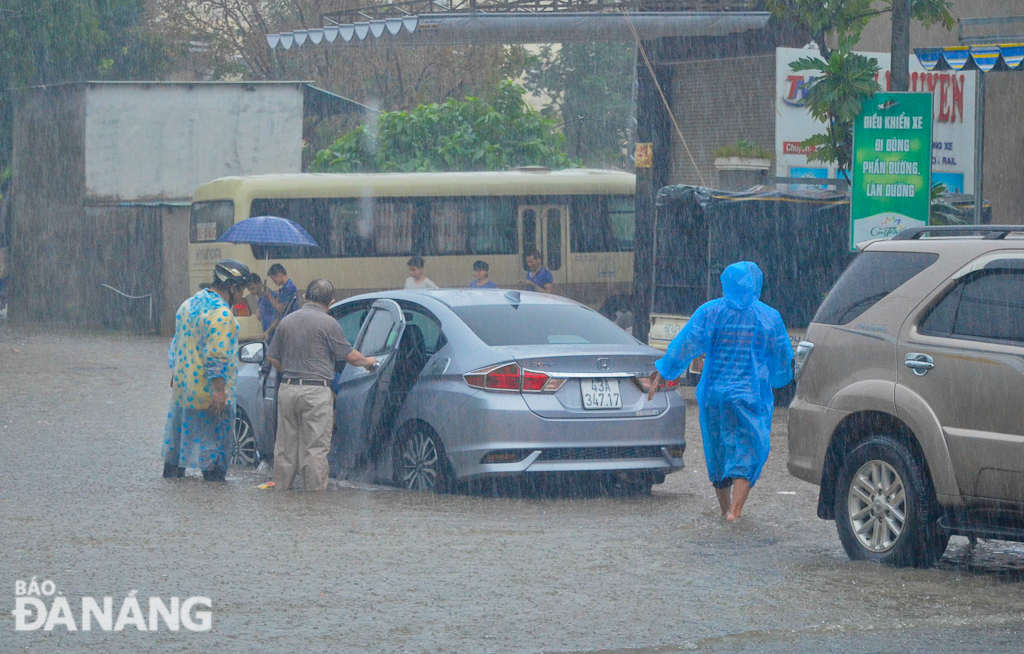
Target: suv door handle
(919,363)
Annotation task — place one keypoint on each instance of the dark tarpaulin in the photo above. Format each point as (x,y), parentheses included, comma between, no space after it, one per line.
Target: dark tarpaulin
(799,239)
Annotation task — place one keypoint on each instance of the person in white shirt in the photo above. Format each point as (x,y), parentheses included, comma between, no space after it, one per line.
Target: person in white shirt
(417,278)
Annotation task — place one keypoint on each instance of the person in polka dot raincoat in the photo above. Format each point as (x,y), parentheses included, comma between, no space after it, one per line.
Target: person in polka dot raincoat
(202,358)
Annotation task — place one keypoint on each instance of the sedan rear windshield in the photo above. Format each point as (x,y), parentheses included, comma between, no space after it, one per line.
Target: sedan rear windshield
(541,324)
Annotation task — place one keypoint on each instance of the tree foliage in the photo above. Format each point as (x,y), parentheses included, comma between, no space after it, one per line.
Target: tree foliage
(845,20)
(227,39)
(472,134)
(844,78)
(591,89)
(835,98)
(54,41)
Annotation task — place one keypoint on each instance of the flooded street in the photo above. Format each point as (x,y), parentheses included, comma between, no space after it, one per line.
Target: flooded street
(363,568)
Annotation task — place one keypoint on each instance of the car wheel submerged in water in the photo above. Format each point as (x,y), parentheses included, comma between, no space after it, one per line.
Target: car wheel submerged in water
(420,462)
(243,444)
(885,508)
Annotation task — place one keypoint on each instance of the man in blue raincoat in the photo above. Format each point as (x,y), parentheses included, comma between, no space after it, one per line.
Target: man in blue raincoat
(747,353)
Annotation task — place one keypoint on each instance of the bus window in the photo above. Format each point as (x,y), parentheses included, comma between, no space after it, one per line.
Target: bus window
(553,239)
(602,224)
(346,240)
(392,228)
(491,226)
(448,226)
(471,226)
(311,213)
(529,233)
(211,219)
(622,220)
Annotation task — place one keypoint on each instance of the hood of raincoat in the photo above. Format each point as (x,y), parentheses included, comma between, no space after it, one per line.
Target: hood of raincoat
(741,284)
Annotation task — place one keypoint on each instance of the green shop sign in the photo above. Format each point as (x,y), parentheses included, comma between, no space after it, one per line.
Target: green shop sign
(892,158)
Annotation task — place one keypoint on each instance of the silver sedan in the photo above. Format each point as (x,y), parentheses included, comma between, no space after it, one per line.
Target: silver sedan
(476,384)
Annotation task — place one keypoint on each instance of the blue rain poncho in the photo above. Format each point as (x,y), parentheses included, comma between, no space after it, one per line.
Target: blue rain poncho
(747,353)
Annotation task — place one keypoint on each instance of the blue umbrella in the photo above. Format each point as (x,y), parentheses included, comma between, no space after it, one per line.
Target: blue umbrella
(268,230)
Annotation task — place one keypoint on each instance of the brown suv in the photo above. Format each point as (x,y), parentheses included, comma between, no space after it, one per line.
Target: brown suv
(909,409)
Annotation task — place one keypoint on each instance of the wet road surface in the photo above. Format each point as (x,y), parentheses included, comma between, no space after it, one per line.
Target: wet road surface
(363,568)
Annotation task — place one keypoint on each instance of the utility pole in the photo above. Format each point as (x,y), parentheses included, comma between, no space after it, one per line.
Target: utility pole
(899,79)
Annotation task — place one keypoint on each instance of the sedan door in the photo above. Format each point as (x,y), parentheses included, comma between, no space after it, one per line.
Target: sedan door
(361,411)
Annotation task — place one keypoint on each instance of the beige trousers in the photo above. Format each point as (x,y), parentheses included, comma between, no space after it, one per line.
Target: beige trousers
(304,423)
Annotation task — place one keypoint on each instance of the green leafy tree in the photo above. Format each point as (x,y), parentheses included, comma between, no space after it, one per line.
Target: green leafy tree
(844,78)
(472,134)
(54,41)
(591,87)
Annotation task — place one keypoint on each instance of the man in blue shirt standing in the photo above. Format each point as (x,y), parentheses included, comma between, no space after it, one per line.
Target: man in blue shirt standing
(280,301)
(538,278)
(480,271)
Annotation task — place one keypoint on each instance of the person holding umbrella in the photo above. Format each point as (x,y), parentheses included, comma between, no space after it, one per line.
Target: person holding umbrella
(282,301)
(272,231)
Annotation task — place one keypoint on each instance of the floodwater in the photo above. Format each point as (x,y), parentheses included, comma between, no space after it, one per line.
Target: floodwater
(372,569)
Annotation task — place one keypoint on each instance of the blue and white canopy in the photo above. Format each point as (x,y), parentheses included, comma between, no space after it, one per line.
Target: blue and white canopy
(985,58)
(481,28)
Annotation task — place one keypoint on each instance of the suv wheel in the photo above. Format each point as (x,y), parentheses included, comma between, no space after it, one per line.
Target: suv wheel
(885,508)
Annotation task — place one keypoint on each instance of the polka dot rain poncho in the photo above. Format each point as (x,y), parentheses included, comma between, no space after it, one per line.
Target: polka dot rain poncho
(204,348)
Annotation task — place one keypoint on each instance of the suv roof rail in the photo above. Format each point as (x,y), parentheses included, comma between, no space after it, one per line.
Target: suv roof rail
(990,231)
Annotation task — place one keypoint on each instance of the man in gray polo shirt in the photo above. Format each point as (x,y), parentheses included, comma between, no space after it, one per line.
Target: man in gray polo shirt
(305,348)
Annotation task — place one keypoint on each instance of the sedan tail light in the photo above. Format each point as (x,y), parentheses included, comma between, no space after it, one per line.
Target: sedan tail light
(535,381)
(645,384)
(511,378)
(504,377)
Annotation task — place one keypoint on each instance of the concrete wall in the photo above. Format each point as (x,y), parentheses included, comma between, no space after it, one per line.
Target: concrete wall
(162,141)
(48,260)
(102,177)
(175,224)
(124,246)
(717,102)
(1004,129)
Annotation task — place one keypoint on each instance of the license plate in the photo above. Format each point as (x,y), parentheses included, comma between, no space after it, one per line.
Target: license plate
(601,394)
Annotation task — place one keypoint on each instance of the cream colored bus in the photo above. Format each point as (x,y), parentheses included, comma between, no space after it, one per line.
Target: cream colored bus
(368,225)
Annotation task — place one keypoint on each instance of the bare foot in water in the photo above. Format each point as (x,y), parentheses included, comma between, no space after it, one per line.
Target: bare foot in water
(724,499)
(741,489)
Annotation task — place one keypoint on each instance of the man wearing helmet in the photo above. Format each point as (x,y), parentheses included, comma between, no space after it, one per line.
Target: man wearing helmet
(202,359)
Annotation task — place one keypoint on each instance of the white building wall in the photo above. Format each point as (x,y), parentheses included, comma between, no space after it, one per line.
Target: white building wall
(162,141)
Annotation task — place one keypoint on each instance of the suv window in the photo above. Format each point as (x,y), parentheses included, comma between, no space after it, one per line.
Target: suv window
(986,305)
(869,279)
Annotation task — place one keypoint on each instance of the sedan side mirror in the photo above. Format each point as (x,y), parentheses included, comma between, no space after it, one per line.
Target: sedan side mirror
(252,353)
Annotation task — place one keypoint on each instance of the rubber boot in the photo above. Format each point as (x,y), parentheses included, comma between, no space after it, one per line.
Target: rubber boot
(172,471)
(215,474)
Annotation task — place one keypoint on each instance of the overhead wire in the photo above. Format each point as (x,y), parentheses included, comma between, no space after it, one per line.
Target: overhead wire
(664,100)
